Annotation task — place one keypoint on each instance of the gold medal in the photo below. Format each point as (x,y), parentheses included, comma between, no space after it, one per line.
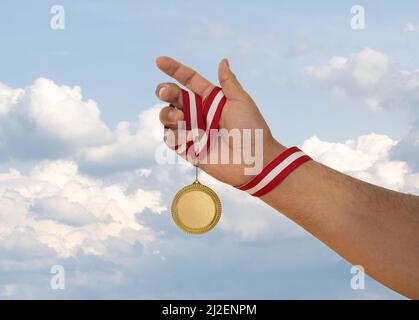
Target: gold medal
(196,208)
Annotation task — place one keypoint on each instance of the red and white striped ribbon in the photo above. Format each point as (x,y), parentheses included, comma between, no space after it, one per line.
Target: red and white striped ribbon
(201,116)
(275,172)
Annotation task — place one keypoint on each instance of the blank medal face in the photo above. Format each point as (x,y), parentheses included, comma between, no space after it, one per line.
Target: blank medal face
(196,208)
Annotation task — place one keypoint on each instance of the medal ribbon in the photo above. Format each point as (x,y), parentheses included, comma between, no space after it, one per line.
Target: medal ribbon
(275,172)
(201,117)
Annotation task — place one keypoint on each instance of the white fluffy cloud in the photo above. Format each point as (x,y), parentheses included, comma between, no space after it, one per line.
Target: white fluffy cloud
(130,143)
(366,158)
(363,69)
(57,207)
(46,120)
(369,76)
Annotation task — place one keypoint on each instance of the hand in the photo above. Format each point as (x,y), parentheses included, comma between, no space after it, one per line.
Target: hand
(240,112)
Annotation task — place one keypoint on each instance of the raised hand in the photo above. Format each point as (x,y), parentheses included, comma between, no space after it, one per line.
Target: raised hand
(240,112)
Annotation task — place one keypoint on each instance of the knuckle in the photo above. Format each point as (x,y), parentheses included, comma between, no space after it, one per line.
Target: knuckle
(162,114)
(189,78)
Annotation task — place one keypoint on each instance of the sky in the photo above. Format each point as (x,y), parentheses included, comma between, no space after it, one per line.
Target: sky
(79,184)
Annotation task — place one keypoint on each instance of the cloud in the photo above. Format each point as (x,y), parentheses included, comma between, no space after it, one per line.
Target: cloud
(129,145)
(366,158)
(9,290)
(47,121)
(408,148)
(60,209)
(370,77)
(410,27)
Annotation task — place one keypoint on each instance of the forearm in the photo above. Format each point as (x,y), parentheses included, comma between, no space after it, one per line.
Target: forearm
(367,225)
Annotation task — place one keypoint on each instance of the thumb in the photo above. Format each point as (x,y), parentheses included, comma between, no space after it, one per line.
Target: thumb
(228,81)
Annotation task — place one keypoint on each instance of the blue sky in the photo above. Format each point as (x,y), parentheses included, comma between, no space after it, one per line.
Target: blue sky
(108,49)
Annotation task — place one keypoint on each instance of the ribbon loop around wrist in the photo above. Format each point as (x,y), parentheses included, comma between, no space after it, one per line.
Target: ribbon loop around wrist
(275,172)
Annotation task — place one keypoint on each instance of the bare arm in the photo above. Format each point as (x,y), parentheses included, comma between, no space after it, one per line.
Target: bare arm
(367,225)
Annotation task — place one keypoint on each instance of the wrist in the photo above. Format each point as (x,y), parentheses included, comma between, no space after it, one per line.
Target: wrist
(276,171)
(271,149)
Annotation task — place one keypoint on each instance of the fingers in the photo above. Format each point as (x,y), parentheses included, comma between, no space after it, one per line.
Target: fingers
(176,137)
(171,93)
(169,117)
(185,75)
(229,83)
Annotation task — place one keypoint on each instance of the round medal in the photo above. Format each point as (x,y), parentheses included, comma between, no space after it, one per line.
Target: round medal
(196,208)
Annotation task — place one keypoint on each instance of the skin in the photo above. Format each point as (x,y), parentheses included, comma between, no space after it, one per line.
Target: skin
(365,224)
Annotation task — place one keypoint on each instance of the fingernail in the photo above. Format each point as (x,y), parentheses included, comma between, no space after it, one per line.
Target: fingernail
(171,115)
(228,63)
(161,91)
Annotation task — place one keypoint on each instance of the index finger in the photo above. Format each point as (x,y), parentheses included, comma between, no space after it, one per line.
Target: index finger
(185,75)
